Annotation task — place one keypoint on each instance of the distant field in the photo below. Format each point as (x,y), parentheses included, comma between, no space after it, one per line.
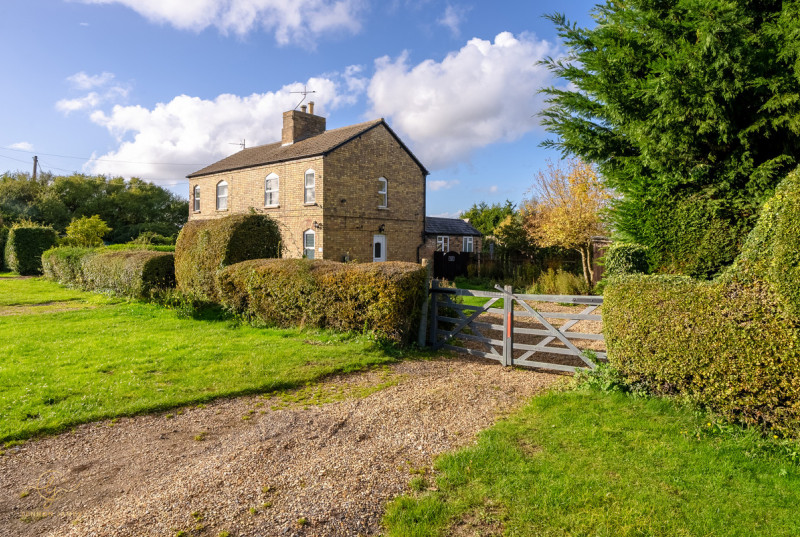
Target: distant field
(69,357)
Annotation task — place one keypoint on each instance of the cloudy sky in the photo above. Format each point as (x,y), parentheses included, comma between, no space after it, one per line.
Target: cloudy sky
(159,88)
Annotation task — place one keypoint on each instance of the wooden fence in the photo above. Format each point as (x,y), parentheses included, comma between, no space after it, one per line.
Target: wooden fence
(528,336)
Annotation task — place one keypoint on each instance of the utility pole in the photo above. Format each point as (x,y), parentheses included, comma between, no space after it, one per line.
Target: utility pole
(35,164)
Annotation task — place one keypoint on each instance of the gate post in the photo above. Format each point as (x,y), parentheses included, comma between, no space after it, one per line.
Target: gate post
(508,326)
(423,322)
(434,335)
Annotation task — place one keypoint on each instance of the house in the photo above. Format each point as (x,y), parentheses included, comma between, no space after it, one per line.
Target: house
(450,235)
(353,193)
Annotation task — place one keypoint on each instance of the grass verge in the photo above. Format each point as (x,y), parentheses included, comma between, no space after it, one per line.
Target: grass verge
(606,464)
(123,358)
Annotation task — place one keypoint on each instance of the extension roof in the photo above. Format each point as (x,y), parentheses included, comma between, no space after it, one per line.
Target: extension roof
(435,225)
(319,145)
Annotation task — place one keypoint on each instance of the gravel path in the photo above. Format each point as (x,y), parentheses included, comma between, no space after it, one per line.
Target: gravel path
(256,465)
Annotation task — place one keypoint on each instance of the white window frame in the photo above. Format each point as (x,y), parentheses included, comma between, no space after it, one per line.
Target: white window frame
(467,240)
(312,248)
(196,198)
(379,239)
(443,243)
(271,194)
(224,199)
(312,190)
(383,193)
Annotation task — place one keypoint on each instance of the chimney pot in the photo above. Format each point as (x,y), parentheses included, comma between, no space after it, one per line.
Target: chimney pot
(303,108)
(310,107)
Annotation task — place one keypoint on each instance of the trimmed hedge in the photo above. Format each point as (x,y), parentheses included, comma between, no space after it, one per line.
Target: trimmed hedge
(732,343)
(625,258)
(384,298)
(24,248)
(206,246)
(131,273)
(3,238)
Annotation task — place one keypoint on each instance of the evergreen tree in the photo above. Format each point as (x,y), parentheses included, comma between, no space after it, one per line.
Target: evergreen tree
(691,111)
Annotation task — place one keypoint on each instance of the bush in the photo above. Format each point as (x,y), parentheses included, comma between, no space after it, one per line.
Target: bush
(558,282)
(64,264)
(87,231)
(384,298)
(25,245)
(131,273)
(206,246)
(3,238)
(151,237)
(732,343)
(625,258)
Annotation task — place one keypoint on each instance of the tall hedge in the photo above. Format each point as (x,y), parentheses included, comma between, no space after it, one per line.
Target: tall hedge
(385,298)
(3,238)
(732,343)
(206,246)
(24,248)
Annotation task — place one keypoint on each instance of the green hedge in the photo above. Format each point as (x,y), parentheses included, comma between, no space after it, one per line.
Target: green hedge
(132,273)
(625,258)
(206,246)
(25,246)
(3,238)
(385,298)
(732,343)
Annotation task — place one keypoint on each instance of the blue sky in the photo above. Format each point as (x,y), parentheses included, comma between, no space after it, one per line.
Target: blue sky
(159,88)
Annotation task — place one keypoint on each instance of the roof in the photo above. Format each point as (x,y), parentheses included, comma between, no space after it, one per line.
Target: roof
(435,225)
(321,144)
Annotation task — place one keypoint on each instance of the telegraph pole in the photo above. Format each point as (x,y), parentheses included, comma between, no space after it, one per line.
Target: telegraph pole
(35,164)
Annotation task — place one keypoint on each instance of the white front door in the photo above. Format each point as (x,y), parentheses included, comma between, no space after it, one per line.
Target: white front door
(378,248)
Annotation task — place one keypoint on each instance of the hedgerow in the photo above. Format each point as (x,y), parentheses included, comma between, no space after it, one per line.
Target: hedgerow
(206,246)
(3,238)
(625,258)
(384,298)
(64,264)
(732,343)
(25,245)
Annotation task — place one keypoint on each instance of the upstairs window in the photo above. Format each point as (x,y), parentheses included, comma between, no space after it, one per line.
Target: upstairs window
(442,243)
(383,193)
(309,243)
(271,184)
(310,187)
(222,196)
(197,199)
(466,244)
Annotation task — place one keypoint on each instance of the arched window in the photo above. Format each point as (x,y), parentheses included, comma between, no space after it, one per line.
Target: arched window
(197,199)
(383,193)
(222,196)
(271,185)
(309,243)
(310,187)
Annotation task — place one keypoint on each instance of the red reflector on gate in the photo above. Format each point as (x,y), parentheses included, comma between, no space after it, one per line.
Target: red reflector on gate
(508,325)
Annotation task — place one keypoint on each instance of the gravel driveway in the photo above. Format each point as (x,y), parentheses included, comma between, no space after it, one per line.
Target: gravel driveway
(257,465)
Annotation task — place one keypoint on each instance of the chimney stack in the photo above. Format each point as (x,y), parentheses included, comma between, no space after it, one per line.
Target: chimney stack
(299,125)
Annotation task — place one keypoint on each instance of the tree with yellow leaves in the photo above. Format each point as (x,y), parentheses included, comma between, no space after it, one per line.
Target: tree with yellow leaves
(564,209)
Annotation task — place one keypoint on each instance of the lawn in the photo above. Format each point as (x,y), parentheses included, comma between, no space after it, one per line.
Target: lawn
(590,463)
(103,358)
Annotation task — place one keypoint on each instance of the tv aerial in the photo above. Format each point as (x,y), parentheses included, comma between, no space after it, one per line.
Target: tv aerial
(305,93)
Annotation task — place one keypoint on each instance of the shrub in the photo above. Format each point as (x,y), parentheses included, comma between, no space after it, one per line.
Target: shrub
(151,237)
(63,264)
(25,245)
(384,298)
(87,231)
(559,282)
(3,238)
(132,273)
(732,343)
(625,258)
(206,246)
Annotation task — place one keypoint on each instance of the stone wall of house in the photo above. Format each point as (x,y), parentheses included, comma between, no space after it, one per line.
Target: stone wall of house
(456,245)
(246,193)
(352,209)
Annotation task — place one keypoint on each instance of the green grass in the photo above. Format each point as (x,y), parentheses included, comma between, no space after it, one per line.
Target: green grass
(122,358)
(589,463)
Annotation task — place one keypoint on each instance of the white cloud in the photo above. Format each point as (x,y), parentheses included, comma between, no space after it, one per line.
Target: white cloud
(23,146)
(173,139)
(86,102)
(452,18)
(442,184)
(298,21)
(82,81)
(456,214)
(484,93)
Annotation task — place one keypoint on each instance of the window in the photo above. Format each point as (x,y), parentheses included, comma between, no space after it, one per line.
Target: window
(310,195)
(383,193)
(308,244)
(222,196)
(466,244)
(271,191)
(197,199)
(442,243)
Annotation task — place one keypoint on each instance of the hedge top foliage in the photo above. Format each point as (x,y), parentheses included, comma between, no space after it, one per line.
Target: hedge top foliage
(625,258)
(205,246)
(24,247)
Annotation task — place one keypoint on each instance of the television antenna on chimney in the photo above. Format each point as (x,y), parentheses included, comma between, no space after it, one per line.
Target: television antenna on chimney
(305,93)
(240,144)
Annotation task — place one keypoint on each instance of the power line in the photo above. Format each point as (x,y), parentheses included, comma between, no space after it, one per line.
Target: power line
(101,159)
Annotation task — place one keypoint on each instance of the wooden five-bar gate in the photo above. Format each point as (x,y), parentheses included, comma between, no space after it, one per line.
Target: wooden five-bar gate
(468,328)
